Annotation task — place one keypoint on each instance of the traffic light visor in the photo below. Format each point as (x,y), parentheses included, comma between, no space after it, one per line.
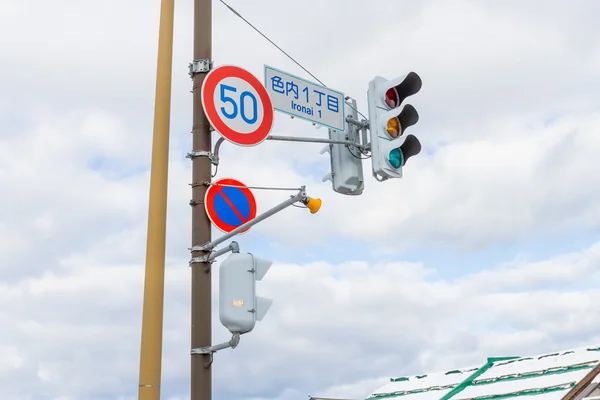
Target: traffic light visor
(411,84)
(410,147)
(398,156)
(397,125)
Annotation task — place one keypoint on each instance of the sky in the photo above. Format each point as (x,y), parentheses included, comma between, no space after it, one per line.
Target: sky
(488,246)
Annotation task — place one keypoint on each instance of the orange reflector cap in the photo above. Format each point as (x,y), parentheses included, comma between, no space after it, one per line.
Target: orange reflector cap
(314,205)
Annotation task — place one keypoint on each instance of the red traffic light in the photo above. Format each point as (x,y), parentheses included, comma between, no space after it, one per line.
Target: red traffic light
(397,94)
(391,98)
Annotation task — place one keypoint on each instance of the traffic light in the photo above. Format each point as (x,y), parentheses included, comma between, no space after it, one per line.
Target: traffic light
(239,307)
(346,161)
(387,123)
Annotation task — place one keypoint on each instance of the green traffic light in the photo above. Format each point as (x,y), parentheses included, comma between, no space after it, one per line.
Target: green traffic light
(399,156)
(395,158)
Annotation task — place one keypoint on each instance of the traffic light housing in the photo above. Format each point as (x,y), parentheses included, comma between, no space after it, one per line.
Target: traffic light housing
(390,149)
(239,307)
(346,161)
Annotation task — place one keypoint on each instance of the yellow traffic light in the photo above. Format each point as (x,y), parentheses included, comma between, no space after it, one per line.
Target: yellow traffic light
(393,127)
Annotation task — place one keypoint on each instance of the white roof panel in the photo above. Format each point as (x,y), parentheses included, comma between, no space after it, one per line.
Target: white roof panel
(520,385)
(429,380)
(546,376)
(429,395)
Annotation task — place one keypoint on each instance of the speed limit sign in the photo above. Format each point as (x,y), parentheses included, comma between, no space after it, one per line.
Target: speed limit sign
(237,105)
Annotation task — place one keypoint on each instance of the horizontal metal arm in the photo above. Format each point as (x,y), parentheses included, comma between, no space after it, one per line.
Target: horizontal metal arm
(301,195)
(313,140)
(215,155)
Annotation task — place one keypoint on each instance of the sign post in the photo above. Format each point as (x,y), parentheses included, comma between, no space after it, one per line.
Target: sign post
(232,101)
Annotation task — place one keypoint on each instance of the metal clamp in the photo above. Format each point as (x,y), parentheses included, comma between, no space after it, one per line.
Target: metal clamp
(203,153)
(364,124)
(235,340)
(233,247)
(202,247)
(200,66)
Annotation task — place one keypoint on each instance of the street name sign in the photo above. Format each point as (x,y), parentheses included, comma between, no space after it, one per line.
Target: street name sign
(303,99)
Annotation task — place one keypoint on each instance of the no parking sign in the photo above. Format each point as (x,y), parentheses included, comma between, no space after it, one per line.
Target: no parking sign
(229,204)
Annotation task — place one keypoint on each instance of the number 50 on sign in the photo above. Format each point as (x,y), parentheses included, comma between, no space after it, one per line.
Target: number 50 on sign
(237,105)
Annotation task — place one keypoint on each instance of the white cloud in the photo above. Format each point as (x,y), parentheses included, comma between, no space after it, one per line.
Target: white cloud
(332,328)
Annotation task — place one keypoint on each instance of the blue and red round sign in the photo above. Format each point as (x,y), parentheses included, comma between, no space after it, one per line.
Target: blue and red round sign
(237,105)
(229,204)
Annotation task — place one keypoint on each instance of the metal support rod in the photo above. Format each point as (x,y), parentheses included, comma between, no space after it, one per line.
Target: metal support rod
(201,285)
(301,195)
(365,139)
(216,150)
(312,140)
(154,275)
(215,155)
(235,340)
(233,247)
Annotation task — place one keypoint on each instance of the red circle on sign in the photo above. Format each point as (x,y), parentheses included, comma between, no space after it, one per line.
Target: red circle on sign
(213,78)
(217,213)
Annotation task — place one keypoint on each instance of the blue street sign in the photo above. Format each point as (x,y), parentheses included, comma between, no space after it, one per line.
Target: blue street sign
(303,99)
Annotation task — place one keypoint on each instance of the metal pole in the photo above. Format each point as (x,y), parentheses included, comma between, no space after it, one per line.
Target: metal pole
(201,372)
(154,278)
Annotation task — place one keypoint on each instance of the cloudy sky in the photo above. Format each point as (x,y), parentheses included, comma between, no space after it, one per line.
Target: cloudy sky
(489,246)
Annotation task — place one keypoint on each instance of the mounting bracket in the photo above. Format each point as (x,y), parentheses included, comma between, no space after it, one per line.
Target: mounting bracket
(199,66)
(235,340)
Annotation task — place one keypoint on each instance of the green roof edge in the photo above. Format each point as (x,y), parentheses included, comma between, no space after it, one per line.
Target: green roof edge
(468,381)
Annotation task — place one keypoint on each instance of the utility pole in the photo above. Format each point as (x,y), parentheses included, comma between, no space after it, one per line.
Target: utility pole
(154,278)
(201,372)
